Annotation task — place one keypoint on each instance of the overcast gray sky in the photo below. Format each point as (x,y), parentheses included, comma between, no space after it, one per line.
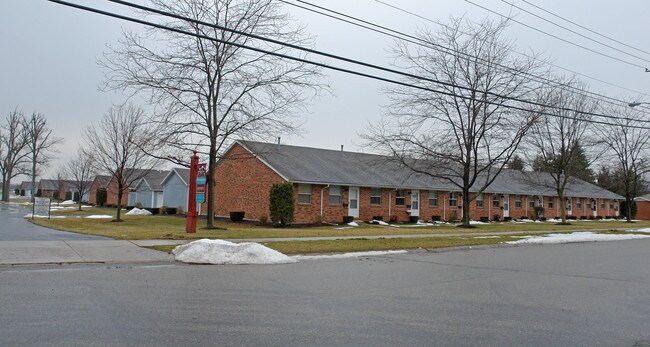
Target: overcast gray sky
(49,52)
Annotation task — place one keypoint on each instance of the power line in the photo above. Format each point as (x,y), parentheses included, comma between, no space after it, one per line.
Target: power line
(418,41)
(555,36)
(585,28)
(573,31)
(302,60)
(517,52)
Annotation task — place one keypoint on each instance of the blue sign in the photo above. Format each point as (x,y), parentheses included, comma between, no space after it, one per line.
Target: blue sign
(200,198)
(201,180)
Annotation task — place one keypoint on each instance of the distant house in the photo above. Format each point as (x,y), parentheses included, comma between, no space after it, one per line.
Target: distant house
(176,189)
(148,192)
(330,184)
(25,188)
(69,190)
(643,207)
(112,186)
(100,183)
(48,189)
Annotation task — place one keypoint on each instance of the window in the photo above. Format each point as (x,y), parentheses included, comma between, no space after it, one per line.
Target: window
(400,198)
(495,200)
(433,198)
(611,204)
(479,200)
(304,193)
(531,202)
(602,204)
(375,196)
(578,203)
(415,200)
(335,195)
(589,203)
(616,207)
(453,199)
(551,202)
(569,204)
(517,201)
(595,205)
(540,201)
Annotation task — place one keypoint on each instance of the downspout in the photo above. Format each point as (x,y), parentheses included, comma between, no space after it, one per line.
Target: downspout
(321,201)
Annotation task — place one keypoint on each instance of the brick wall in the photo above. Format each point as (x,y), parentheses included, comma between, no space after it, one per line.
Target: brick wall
(643,210)
(242,184)
(111,193)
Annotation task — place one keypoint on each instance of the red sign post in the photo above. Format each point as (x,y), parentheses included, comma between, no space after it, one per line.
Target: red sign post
(192,216)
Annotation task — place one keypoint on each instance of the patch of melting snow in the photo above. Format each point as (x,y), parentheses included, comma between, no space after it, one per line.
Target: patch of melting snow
(138,212)
(99,216)
(343,228)
(29,216)
(576,237)
(353,224)
(487,237)
(347,255)
(206,251)
(644,230)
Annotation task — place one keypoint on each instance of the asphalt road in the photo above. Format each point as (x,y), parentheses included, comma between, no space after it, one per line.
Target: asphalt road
(14,227)
(588,294)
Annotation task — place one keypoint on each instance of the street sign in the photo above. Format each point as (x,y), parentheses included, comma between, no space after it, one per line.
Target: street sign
(200,198)
(201,174)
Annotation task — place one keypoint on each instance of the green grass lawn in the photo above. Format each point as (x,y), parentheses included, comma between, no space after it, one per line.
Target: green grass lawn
(173,227)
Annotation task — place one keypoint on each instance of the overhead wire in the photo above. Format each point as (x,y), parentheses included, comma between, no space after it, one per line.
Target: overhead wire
(557,37)
(573,31)
(585,28)
(397,8)
(302,60)
(418,41)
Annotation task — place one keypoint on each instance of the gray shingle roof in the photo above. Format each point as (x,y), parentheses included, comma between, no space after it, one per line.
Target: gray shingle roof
(183,173)
(103,180)
(154,179)
(321,166)
(49,184)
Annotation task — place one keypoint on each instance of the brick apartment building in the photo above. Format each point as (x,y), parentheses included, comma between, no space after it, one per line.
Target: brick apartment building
(330,184)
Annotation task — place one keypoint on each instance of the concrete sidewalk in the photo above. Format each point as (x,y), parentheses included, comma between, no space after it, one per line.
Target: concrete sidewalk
(64,252)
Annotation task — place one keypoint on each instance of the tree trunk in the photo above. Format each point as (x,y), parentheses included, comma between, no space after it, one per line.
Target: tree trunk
(628,203)
(212,163)
(466,215)
(120,188)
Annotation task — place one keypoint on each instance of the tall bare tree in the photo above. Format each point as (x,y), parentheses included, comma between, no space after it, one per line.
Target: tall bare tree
(628,146)
(465,135)
(14,155)
(207,92)
(556,141)
(80,171)
(120,144)
(41,144)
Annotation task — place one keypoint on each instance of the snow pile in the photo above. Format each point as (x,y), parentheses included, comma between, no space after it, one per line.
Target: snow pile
(475,222)
(67,202)
(380,222)
(138,212)
(30,216)
(346,255)
(576,237)
(353,224)
(99,216)
(644,230)
(487,237)
(207,251)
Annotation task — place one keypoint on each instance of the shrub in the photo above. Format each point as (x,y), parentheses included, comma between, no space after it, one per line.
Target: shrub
(507,219)
(381,218)
(599,217)
(348,219)
(153,210)
(100,197)
(495,218)
(484,219)
(435,218)
(163,210)
(393,219)
(543,219)
(281,204)
(237,216)
(571,217)
(590,217)
(624,209)
(171,210)
(583,217)
(263,219)
(413,219)
(39,193)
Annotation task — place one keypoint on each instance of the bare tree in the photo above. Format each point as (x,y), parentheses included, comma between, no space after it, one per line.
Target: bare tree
(120,143)
(40,144)
(14,156)
(627,145)
(466,134)
(556,141)
(80,171)
(206,91)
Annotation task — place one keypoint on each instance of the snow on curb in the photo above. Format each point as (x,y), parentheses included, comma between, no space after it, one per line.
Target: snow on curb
(138,212)
(346,255)
(575,237)
(206,251)
(99,216)
(644,230)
